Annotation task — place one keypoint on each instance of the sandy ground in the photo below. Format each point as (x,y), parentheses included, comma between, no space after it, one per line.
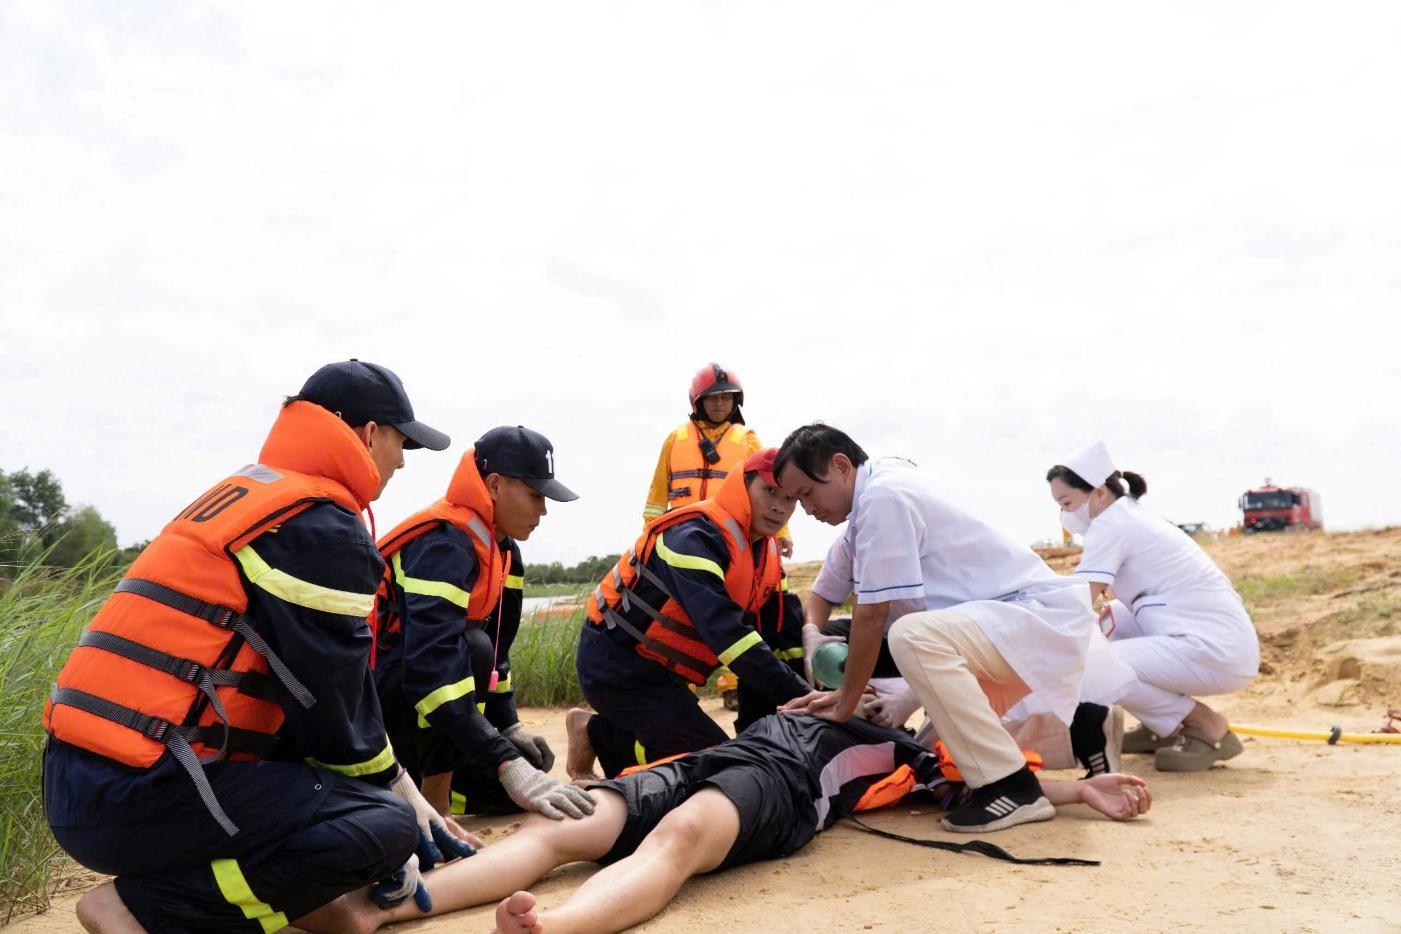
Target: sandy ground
(1290,836)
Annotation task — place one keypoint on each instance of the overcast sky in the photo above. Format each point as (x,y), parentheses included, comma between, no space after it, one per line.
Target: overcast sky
(978,235)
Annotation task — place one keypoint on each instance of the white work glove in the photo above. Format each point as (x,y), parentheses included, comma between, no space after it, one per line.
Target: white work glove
(534,748)
(400,886)
(535,791)
(437,841)
(813,639)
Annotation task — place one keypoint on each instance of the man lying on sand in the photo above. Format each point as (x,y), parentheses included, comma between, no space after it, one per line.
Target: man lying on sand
(762,795)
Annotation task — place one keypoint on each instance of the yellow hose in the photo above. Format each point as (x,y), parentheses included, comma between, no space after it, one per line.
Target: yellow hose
(1335,735)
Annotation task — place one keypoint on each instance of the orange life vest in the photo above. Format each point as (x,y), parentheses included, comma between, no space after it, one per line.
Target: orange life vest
(670,638)
(689,474)
(170,662)
(467,507)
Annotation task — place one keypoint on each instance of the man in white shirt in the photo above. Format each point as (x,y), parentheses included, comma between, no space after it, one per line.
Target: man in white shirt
(976,620)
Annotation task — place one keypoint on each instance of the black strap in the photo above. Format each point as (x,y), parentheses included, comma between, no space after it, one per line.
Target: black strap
(976,846)
(162,731)
(224,618)
(674,657)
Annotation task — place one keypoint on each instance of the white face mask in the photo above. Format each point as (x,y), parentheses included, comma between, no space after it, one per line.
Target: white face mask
(1076,521)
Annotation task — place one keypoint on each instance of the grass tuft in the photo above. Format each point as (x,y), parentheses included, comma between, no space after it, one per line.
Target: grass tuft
(542,661)
(42,612)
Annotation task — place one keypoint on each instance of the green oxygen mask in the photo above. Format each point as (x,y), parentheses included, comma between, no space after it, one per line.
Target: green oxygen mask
(829,665)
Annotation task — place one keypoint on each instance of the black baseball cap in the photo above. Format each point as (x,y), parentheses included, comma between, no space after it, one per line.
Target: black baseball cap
(524,454)
(362,392)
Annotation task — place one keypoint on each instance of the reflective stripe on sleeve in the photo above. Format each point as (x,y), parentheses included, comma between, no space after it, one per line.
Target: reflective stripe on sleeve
(448,692)
(692,562)
(503,686)
(427,588)
(236,891)
(458,803)
(784,655)
(651,512)
(639,752)
(740,647)
(290,589)
(783,584)
(515,582)
(379,763)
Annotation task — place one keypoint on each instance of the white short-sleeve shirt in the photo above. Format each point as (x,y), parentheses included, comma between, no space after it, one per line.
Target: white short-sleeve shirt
(834,581)
(915,546)
(1136,553)
(1168,582)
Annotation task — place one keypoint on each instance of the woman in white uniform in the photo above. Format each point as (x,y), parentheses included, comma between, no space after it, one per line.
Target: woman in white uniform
(1175,620)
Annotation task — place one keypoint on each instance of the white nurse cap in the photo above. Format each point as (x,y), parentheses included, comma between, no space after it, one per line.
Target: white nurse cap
(1093,464)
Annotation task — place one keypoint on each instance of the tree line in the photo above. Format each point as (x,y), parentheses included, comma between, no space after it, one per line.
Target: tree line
(36,518)
(588,571)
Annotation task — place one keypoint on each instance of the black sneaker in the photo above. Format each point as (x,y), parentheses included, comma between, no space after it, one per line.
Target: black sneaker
(1096,736)
(1016,799)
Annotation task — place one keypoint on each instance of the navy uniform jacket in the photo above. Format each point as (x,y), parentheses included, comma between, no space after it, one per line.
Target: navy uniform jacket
(431,664)
(723,625)
(328,548)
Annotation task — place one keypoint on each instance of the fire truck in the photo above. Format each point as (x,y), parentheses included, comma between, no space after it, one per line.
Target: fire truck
(1270,508)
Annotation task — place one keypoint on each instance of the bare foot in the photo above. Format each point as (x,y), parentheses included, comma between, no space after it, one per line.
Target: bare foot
(516,915)
(579,759)
(102,910)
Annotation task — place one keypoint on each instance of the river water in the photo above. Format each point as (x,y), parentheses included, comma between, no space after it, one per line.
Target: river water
(531,605)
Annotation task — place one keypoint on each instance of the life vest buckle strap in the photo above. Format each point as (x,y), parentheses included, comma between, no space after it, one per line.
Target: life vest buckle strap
(222,617)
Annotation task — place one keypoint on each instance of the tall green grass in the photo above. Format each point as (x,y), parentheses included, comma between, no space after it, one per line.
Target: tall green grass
(542,661)
(42,612)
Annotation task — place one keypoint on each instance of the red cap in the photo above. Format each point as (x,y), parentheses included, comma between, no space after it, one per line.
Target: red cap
(762,462)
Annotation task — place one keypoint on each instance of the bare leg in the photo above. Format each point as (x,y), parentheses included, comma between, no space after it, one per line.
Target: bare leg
(102,911)
(579,759)
(1208,721)
(437,790)
(694,838)
(495,872)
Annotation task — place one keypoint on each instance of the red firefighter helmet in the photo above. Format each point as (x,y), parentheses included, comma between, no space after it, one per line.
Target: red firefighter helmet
(712,379)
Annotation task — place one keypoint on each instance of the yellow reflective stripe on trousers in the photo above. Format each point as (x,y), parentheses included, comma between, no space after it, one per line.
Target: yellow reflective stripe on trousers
(639,752)
(515,582)
(503,686)
(427,588)
(303,593)
(459,803)
(379,763)
(236,891)
(740,647)
(448,692)
(786,654)
(694,563)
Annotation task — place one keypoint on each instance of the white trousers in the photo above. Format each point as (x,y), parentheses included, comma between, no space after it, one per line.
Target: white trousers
(1172,671)
(965,686)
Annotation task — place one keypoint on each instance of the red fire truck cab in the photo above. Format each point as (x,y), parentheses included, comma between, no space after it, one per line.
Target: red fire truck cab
(1270,507)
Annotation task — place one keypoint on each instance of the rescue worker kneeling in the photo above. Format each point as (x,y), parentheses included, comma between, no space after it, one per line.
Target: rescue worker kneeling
(686,599)
(215,740)
(448,613)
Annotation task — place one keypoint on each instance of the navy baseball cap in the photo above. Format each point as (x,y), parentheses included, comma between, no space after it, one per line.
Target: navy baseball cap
(362,392)
(524,454)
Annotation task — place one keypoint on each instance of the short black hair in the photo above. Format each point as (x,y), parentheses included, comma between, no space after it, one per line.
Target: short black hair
(811,448)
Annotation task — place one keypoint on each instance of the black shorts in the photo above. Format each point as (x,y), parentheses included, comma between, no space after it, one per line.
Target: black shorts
(777,816)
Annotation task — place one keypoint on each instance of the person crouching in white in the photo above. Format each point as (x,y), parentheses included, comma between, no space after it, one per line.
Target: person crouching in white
(979,621)
(1176,620)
